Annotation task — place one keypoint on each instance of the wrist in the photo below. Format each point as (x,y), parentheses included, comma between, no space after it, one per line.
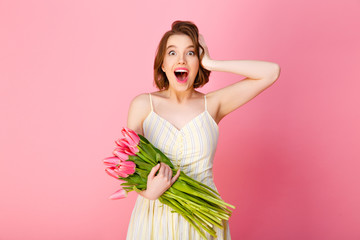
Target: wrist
(208,64)
(143,193)
(147,195)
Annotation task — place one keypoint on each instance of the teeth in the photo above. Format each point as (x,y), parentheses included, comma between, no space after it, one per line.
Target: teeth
(180,70)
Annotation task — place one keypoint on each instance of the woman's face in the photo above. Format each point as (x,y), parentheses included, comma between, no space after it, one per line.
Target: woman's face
(181,64)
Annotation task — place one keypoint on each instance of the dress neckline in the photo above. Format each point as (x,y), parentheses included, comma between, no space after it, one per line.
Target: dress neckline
(188,123)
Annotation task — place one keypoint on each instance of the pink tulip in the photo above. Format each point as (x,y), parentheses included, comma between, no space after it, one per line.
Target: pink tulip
(117,172)
(133,150)
(121,154)
(129,141)
(121,172)
(112,161)
(122,143)
(125,169)
(128,164)
(119,194)
(126,147)
(132,137)
(111,172)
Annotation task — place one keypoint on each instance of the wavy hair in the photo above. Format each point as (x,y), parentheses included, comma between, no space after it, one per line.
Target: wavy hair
(179,27)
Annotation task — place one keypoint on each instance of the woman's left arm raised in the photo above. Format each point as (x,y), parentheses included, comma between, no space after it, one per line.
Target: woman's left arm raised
(259,76)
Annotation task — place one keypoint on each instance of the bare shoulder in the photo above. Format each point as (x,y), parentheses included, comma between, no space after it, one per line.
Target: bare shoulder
(138,111)
(213,105)
(140,101)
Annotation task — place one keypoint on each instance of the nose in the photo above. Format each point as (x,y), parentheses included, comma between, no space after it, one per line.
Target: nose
(182,59)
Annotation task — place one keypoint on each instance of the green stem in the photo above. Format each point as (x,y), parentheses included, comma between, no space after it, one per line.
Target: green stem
(143,165)
(146,158)
(194,205)
(196,183)
(201,203)
(182,186)
(194,213)
(210,219)
(189,220)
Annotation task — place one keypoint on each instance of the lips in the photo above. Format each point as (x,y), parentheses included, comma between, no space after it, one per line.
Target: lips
(181,74)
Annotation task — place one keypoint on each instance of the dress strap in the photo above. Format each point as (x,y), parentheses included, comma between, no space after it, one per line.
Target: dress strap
(151,102)
(205,103)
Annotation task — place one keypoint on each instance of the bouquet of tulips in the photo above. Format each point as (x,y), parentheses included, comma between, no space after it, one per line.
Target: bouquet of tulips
(133,159)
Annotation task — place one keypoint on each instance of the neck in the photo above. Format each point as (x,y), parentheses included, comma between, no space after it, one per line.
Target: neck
(180,96)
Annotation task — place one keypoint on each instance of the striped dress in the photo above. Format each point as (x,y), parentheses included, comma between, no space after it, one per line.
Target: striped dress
(191,148)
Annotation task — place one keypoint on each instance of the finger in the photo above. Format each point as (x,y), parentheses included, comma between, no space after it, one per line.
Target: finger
(201,37)
(162,169)
(167,171)
(170,173)
(153,171)
(175,177)
(202,40)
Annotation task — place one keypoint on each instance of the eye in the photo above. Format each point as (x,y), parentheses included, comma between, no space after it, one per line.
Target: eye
(172,52)
(191,53)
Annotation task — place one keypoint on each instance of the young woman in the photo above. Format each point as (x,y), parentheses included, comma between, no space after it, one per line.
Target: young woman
(182,122)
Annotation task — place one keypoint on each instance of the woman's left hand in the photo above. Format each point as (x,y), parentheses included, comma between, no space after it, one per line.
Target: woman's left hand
(206,59)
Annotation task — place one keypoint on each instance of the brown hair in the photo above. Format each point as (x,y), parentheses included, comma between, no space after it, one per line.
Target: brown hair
(179,27)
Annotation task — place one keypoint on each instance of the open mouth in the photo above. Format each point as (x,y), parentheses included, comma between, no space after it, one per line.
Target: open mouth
(181,75)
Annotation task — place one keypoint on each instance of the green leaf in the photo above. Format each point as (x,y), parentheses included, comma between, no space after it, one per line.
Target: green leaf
(136,189)
(143,165)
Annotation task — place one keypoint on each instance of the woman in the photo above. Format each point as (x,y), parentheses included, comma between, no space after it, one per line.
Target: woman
(182,123)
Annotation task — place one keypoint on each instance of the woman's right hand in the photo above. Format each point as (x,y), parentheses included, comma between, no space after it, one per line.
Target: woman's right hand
(157,185)
(206,60)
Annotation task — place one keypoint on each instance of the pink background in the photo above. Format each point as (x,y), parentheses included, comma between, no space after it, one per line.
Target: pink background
(288,159)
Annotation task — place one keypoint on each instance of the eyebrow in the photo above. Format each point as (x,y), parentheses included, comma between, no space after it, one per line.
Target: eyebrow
(190,46)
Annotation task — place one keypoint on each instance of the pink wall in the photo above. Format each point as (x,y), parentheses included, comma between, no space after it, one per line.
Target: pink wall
(289,159)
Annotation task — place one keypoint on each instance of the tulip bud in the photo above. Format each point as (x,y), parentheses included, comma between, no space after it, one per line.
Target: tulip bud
(119,194)
(111,172)
(112,161)
(131,136)
(121,154)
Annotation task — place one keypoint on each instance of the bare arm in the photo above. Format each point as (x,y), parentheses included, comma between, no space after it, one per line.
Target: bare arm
(156,185)
(259,76)
(138,110)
